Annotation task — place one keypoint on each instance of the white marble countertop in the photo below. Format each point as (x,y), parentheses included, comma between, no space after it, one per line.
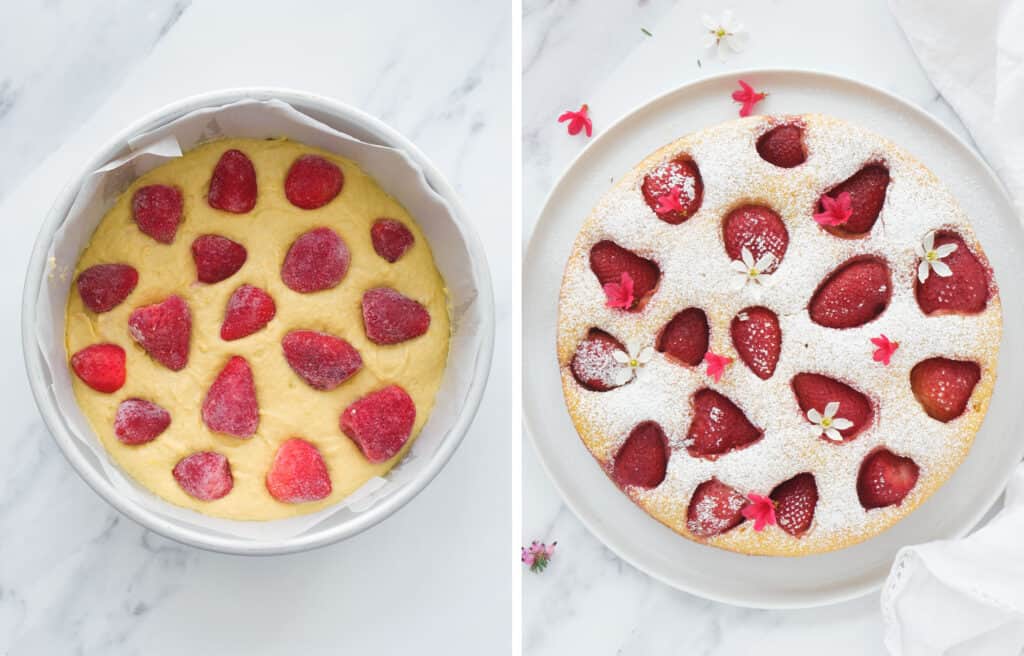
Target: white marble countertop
(588,600)
(75,576)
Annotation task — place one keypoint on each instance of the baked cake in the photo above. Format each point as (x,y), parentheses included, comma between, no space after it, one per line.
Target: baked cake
(778,335)
(257,329)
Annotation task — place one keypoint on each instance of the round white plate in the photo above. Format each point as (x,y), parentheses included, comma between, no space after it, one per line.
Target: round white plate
(628,531)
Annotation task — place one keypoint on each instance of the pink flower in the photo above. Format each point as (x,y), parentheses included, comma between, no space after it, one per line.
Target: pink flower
(716,365)
(761,510)
(670,202)
(620,294)
(838,210)
(748,97)
(577,120)
(538,555)
(885,349)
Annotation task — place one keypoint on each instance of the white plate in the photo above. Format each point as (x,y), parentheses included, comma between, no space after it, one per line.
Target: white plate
(628,531)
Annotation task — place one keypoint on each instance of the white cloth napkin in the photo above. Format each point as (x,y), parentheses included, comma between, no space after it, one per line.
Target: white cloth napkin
(966,597)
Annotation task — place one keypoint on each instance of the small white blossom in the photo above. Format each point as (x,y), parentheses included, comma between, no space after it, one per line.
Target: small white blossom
(829,424)
(931,257)
(632,359)
(725,35)
(749,270)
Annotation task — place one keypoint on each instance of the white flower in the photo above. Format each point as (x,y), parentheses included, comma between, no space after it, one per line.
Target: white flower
(829,424)
(631,360)
(750,270)
(931,257)
(727,34)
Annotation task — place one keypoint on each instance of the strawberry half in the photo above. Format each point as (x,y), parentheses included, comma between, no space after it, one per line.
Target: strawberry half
(104,286)
(380,422)
(101,367)
(867,189)
(217,258)
(156,209)
(718,426)
(592,365)
(312,182)
(795,501)
(965,291)
(323,361)
(298,473)
(609,261)
(885,479)
(249,310)
(681,176)
(714,509)
(163,330)
(138,421)
(759,230)
(685,338)
(783,146)
(233,183)
(391,239)
(390,317)
(944,386)
(204,475)
(757,338)
(817,391)
(854,294)
(643,457)
(316,261)
(230,405)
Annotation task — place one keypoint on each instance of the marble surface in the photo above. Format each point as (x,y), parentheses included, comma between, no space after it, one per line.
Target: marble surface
(589,601)
(75,576)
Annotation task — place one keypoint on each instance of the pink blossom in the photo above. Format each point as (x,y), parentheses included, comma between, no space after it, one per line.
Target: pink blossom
(620,294)
(761,509)
(716,364)
(747,97)
(837,211)
(578,120)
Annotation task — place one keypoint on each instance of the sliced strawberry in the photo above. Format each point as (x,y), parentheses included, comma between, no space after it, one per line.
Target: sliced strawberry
(101,367)
(965,291)
(685,337)
(380,422)
(104,286)
(249,310)
(391,239)
(592,365)
(298,473)
(163,330)
(323,361)
(217,258)
(757,338)
(233,183)
(156,209)
(857,292)
(816,391)
(204,475)
(783,146)
(943,386)
(681,176)
(795,501)
(609,261)
(643,457)
(230,405)
(759,230)
(390,317)
(718,426)
(885,478)
(316,261)
(313,182)
(867,189)
(714,509)
(138,421)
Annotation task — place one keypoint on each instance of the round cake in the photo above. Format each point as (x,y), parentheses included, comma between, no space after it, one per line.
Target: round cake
(256,329)
(778,335)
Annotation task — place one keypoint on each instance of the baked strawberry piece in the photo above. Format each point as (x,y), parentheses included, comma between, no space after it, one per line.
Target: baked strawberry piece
(718,426)
(795,502)
(104,286)
(593,365)
(757,338)
(674,190)
(609,262)
(643,457)
(857,292)
(205,475)
(391,318)
(944,386)
(783,146)
(685,338)
(380,422)
(757,229)
(965,290)
(312,182)
(156,209)
(298,473)
(163,330)
(217,258)
(101,367)
(233,183)
(885,479)
(391,239)
(816,392)
(230,405)
(323,361)
(316,261)
(714,509)
(249,310)
(867,189)
(139,421)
